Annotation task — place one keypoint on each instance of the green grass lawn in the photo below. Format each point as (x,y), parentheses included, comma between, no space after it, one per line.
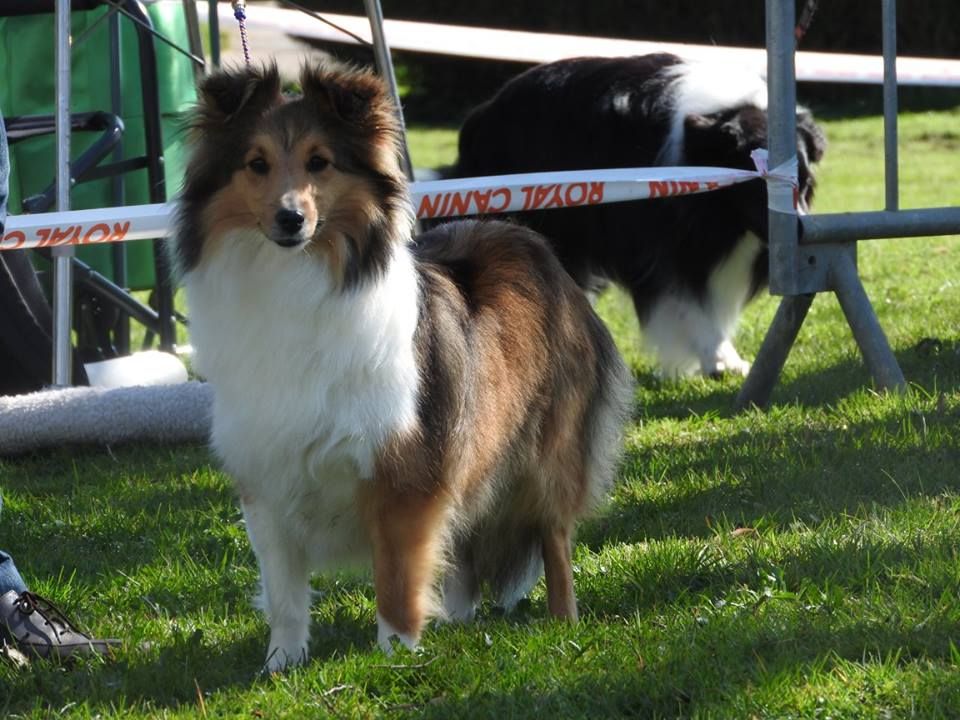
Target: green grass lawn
(801,562)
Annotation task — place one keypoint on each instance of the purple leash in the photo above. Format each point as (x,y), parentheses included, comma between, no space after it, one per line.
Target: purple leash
(240,13)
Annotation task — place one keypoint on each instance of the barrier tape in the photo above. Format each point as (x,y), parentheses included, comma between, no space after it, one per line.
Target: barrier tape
(434,199)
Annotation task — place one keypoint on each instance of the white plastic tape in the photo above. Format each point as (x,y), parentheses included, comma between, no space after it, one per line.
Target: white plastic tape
(86,227)
(782,183)
(431,199)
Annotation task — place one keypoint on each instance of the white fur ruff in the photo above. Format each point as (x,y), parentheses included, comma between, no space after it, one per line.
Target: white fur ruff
(309,382)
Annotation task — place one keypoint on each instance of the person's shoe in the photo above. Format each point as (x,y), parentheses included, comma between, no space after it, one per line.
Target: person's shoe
(35,625)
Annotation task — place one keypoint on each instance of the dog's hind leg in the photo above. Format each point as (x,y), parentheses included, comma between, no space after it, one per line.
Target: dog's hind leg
(558,569)
(509,558)
(461,588)
(285,579)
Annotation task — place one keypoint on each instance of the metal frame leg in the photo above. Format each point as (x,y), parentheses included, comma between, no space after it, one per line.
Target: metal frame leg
(876,351)
(836,267)
(759,384)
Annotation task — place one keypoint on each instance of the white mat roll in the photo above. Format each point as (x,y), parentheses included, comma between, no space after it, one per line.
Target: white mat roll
(87,415)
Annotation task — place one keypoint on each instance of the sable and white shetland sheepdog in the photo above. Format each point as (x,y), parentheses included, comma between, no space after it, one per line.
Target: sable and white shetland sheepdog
(690,263)
(447,411)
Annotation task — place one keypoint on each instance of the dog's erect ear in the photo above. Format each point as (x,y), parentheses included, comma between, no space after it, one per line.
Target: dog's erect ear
(229,94)
(726,125)
(698,123)
(722,131)
(356,96)
(812,136)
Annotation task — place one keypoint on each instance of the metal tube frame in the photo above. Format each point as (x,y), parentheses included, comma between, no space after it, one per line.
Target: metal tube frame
(384,63)
(823,257)
(62,268)
(825,243)
(119,253)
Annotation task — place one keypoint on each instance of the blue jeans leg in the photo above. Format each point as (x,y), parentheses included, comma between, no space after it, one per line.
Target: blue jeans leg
(9,577)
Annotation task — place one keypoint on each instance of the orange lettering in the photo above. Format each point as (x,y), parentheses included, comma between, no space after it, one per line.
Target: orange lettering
(103,230)
(527,196)
(446,205)
(482,199)
(540,194)
(65,237)
(596,193)
(16,237)
(569,197)
(505,192)
(460,204)
(119,232)
(429,206)
(659,189)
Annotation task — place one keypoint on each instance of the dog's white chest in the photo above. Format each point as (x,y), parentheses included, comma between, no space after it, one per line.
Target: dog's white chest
(308,381)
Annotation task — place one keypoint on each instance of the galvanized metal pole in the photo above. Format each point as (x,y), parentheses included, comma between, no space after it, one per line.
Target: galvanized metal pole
(381,55)
(782,134)
(62,268)
(891,181)
(213,29)
(879,358)
(758,386)
(118,193)
(782,230)
(832,228)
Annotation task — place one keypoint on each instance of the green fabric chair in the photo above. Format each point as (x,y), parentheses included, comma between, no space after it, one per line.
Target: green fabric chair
(27,88)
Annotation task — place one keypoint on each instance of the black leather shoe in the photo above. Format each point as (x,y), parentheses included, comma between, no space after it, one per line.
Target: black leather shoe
(37,626)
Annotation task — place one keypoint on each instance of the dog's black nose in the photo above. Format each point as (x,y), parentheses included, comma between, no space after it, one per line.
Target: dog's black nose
(290,221)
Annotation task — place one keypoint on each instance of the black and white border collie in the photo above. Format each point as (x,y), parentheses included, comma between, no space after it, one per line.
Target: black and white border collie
(691,263)
(447,411)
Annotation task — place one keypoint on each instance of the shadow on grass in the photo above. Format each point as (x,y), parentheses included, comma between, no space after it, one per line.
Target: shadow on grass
(851,566)
(173,673)
(775,478)
(112,512)
(932,364)
(726,669)
(728,663)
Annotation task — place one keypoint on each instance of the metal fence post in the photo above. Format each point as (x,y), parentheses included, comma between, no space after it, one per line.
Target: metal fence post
(783,241)
(782,134)
(381,55)
(62,268)
(890,153)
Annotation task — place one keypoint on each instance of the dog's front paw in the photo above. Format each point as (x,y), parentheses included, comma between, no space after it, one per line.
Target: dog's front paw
(387,634)
(280,659)
(726,361)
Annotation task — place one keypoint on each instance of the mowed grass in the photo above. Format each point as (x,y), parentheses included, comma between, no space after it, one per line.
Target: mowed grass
(801,562)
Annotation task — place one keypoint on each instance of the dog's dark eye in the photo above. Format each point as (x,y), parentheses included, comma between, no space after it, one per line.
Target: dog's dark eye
(259,166)
(316,163)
